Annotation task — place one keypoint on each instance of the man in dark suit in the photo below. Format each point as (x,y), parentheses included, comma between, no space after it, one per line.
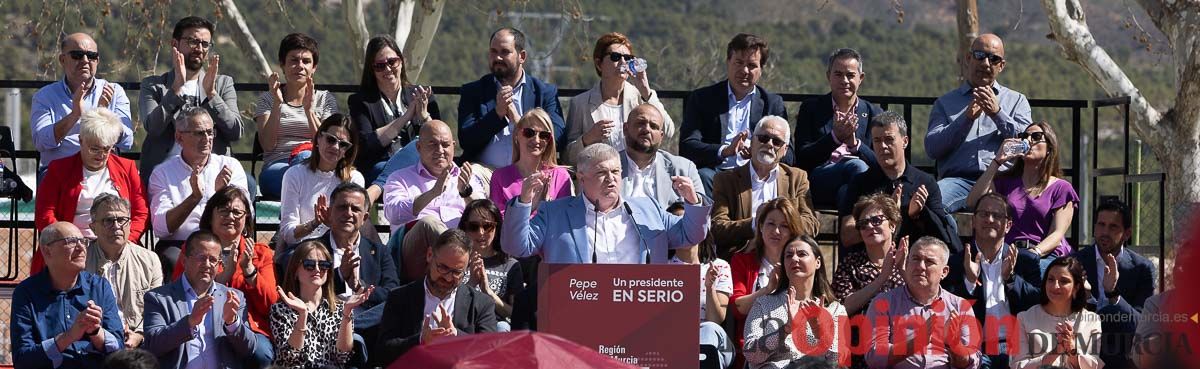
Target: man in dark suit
(831,139)
(718,119)
(738,193)
(195,312)
(488,109)
(436,307)
(1002,279)
(1120,279)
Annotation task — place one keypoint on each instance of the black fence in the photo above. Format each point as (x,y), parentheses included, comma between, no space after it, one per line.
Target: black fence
(1084,173)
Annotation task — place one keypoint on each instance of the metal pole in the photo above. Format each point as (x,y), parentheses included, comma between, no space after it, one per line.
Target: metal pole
(1136,192)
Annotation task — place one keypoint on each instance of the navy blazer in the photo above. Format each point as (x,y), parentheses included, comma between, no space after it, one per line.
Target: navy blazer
(368,114)
(1137,280)
(404,313)
(478,122)
(167,331)
(702,130)
(1021,293)
(814,122)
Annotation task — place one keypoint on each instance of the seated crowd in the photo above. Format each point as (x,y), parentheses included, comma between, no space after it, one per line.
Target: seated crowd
(468,233)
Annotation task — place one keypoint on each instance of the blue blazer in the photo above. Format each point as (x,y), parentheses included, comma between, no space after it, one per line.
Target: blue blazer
(1137,280)
(559,231)
(705,114)
(167,330)
(813,142)
(477,119)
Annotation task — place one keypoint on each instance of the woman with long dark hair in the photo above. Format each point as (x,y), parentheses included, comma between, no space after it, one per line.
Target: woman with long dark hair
(312,327)
(753,267)
(493,272)
(1060,332)
(306,188)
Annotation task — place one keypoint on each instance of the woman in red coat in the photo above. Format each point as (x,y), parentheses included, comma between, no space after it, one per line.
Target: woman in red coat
(66,192)
(754,266)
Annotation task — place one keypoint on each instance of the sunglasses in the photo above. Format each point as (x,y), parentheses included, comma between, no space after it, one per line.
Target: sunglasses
(874,221)
(79,54)
(312,265)
(1032,136)
(392,62)
(530,132)
(333,140)
(616,56)
(202,133)
(984,214)
(980,55)
(770,140)
(476,226)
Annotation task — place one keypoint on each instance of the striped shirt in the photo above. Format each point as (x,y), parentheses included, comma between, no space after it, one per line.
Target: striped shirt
(293,124)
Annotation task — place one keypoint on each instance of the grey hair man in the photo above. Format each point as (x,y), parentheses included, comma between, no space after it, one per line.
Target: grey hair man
(129,270)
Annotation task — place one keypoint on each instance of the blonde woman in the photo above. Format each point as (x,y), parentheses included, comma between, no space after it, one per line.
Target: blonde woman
(533,155)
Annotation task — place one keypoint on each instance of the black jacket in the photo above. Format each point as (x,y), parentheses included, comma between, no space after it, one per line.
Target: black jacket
(701,133)
(368,114)
(404,314)
(814,122)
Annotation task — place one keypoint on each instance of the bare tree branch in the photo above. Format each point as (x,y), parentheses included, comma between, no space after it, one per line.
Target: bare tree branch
(244,38)
(402,21)
(425,21)
(356,22)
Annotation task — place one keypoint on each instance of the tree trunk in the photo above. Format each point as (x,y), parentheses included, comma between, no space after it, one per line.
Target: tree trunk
(1172,136)
(356,22)
(245,39)
(968,30)
(425,21)
(402,21)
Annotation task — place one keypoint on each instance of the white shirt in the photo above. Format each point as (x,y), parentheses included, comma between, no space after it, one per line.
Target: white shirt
(94,184)
(170,184)
(765,268)
(432,302)
(338,251)
(641,181)
(995,300)
(615,113)
(498,153)
(1103,298)
(738,122)
(723,284)
(612,236)
(762,190)
(301,189)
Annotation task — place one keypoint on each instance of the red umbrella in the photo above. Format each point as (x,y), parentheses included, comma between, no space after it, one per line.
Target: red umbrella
(522,349)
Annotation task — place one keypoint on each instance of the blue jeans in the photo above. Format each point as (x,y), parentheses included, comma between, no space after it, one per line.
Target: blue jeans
(404,158)
(714,335)
(954,193)
(706,178)
(828,181)
(271,177)
(263,354)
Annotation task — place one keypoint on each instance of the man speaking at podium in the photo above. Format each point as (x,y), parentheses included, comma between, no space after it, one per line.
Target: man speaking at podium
(599,226)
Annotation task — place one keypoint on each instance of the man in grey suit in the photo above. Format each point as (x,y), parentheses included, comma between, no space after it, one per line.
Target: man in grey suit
(196,322)
(646,170)
(164,96)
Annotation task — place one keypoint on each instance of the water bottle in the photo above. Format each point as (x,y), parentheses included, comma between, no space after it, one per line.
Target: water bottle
(636,65)
(1016,148)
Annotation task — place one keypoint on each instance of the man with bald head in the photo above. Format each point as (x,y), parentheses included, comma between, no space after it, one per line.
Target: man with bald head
(646,170)
(63,316)
(968,123)
(737,193)
(430,193)
(58,106)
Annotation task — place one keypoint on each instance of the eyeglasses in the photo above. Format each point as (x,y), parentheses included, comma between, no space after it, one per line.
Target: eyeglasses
(206,260)
(198,43)
(392,63)
(530,132)
(79,54)
(447,270)
(71,243)
(313,265)
(770,140)
(202,133)
(333,140)
(114,221)
(99,150)
(984,214)
(980,55)
(616,56)
(231,213)
(1032,136)
(476,226)
(874,221)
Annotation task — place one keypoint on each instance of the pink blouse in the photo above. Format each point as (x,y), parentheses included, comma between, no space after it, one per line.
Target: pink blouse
(506,184)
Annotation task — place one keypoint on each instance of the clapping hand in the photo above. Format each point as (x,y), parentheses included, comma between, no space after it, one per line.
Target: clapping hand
(210,77)
(970,265)
(738,146)
(917,203)
(177,62)
(273,84)
(223,178)
(532,186)
(445,328)
(1111,273)
(358,298)
(297,305)
(106,96)
(464,176)
(199,309)
(233,305)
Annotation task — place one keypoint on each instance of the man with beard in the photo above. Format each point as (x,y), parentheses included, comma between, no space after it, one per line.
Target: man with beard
(488,109)
(58,106)
(130,270)
(447,309)
(63,316)
(915,191)
(163,97)
(718,119)
(1121,280)
(916,326)
(646,170)
(738,193)
(181,184)
(968,123)
(831,138)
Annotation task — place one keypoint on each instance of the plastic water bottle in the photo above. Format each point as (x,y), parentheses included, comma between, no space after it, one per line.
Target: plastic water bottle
(637,65)
(1016,148)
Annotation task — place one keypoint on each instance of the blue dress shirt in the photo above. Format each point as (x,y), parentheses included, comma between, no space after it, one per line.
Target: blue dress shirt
(39,313)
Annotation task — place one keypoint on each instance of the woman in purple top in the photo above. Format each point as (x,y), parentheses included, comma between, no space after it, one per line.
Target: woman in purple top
(1043,202)
(533,154)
